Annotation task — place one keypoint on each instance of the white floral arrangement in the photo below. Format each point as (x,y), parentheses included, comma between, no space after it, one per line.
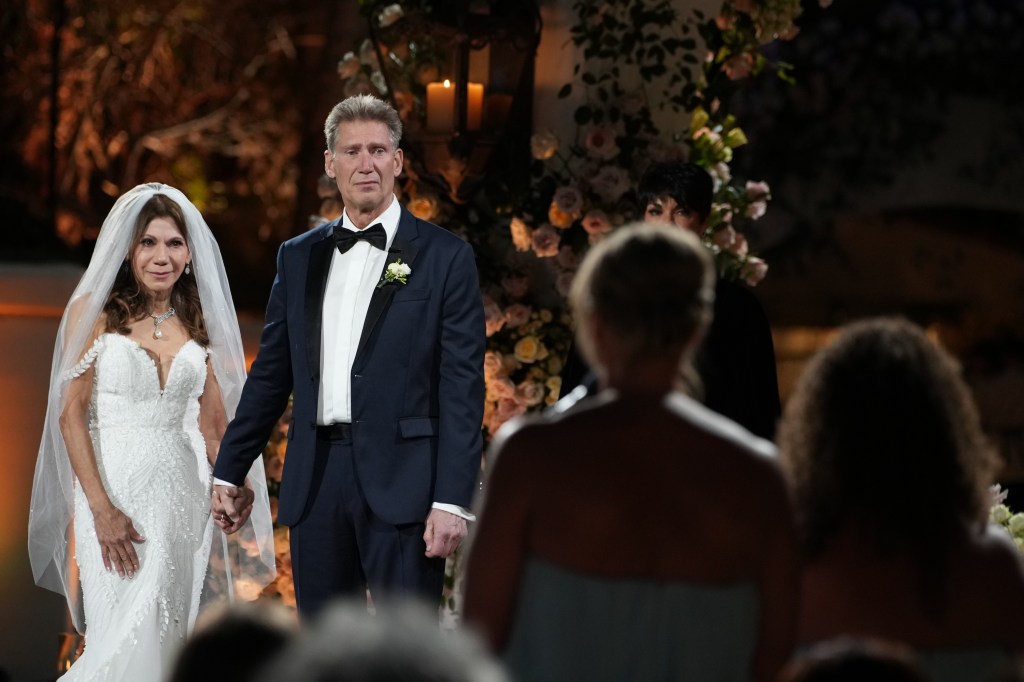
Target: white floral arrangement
(396,272)
(1001,515)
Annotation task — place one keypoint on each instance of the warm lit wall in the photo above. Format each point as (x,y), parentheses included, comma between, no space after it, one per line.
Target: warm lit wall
(31,301)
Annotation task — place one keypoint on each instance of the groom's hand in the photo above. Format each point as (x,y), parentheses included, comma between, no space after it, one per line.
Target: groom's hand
(231,506)
(444,533)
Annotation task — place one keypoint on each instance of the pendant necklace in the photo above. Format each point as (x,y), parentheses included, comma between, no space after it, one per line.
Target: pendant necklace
(158,320)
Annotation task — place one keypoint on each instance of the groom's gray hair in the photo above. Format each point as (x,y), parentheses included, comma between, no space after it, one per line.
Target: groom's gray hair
(363,108)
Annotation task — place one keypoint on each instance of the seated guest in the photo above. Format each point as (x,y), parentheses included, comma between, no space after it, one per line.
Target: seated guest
(402,642)
(736,362)
(259,630)
(890,473)
(635,535)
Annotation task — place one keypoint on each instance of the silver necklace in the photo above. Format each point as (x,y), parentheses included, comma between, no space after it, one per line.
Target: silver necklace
(160,319)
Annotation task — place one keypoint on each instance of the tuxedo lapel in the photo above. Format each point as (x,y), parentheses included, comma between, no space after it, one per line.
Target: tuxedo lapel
(404,248)
(316,284)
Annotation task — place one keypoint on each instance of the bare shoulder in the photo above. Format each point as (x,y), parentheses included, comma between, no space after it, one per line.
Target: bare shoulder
(995,578)
(722,428)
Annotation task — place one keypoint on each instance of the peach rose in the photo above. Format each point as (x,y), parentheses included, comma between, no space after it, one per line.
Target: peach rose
(527,349)
(544,145)
(494,318)
(500,387)
(738,66)
(423,207)
(521,235)
(558,217)
(492,365)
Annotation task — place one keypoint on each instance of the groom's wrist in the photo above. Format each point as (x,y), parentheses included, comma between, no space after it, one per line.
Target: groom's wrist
(226,484)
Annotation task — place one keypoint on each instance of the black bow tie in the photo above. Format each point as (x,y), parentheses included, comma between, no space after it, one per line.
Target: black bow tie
(345,239)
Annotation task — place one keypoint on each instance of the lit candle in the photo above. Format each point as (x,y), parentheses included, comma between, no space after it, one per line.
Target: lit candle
(474,106)
(440,107)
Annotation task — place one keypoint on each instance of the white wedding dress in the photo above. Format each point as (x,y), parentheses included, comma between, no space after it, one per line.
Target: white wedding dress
(151,457)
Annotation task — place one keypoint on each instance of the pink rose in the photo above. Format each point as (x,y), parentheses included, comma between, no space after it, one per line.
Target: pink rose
(756,209)
(739,246)
(507,409)
(545,241)
(517,315)
(521,235)
(758,190)
(348,66)
(596,222)
(724,238)
(515,286)
(530,393)
(754,270)
(611,182)
(500,387)
(600,143)
(568,199)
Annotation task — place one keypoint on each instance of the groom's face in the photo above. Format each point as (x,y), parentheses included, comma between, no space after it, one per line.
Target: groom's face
(365,164)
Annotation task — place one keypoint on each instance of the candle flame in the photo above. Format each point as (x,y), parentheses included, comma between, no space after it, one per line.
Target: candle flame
(447,83)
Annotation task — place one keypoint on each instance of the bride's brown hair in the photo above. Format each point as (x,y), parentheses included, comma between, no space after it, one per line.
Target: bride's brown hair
(128,302)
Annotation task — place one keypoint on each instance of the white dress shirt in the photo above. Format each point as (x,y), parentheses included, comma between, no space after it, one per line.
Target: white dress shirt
(351,280)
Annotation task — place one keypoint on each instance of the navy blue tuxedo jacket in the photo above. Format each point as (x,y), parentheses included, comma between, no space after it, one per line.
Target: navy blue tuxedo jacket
(417,378)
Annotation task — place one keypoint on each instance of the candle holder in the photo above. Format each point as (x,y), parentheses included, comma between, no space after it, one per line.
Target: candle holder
(474,108)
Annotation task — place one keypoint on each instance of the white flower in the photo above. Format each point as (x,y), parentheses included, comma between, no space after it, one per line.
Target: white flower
(395,272)
(348,66)
(390,15)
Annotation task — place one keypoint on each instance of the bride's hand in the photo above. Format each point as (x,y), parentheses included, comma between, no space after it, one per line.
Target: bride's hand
(116,534)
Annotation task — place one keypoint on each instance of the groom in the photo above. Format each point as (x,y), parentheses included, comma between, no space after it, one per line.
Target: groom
(375,327)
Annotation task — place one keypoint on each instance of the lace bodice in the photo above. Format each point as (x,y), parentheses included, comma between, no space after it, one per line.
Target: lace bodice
(127,391)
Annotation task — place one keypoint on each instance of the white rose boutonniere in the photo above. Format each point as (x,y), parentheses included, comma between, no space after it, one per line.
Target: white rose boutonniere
(395,272)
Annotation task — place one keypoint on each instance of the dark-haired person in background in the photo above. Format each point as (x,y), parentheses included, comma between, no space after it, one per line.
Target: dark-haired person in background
(736,361)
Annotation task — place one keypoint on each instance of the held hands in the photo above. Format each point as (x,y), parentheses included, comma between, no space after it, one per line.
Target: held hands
(444,533)
(115,532)
(231,506)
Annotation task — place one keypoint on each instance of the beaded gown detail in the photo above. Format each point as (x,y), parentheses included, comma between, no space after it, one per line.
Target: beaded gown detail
(152,460)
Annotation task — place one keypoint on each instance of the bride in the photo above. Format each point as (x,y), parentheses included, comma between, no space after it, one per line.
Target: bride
(147,370)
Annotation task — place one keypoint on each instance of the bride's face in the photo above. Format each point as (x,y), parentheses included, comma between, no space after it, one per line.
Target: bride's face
(160,256)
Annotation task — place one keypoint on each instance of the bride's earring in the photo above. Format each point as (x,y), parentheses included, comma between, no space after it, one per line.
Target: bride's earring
(188,270)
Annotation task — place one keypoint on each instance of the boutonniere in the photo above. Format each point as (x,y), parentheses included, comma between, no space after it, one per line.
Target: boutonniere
(395,272)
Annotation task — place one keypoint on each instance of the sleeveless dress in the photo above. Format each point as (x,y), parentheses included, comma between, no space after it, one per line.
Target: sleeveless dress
(152,460)
(573,626)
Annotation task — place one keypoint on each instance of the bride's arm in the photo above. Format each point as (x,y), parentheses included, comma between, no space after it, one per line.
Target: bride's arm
(235,503)
(114,529)
(212,417)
